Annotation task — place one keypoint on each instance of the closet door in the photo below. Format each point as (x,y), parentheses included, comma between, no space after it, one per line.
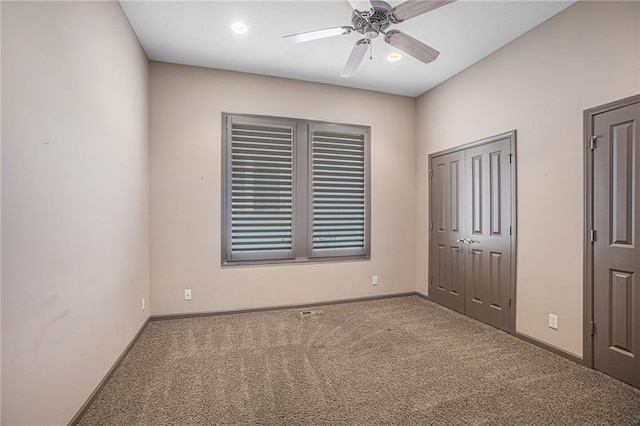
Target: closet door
(488,221)
(447,284)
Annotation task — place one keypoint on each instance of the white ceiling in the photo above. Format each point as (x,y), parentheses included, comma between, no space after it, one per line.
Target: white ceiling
(198,33)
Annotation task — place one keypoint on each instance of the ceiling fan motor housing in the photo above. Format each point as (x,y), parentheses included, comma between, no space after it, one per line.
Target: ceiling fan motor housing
(370,24)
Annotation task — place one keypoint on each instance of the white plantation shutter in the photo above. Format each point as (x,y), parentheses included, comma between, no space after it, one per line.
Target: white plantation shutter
(339,191)
(261,191)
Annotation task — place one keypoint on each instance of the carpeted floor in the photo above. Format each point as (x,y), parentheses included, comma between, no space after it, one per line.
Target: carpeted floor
(394,361)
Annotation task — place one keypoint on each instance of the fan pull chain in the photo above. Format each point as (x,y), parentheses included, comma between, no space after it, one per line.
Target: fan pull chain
(370,51)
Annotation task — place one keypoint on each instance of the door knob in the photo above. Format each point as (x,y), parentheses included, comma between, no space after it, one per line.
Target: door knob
(465,241)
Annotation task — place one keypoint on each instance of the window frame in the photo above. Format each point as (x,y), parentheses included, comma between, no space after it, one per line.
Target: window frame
(302,250)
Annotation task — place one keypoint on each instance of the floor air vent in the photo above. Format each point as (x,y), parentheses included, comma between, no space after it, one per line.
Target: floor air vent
(311,313)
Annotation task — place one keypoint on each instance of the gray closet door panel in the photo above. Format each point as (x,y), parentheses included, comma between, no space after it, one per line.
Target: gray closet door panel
(447,191)
(489,218)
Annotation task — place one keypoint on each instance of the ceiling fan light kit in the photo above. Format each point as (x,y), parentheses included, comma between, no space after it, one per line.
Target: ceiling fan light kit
(372,18)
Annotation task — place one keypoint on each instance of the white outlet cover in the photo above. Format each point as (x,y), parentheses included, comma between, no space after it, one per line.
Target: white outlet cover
(187,294)
(553,321)
(374,280)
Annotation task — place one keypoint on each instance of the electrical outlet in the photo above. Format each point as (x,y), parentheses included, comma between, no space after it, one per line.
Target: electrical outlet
(553,321)
(374,280)
(187,294)
(143,303)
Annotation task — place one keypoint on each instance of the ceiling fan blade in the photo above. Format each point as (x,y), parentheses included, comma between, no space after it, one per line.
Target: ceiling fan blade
(413,8)
(318,34)
(362,6)
(357,54)
(410,45)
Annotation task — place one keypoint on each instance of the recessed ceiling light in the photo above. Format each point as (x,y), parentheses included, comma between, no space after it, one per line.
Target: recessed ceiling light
(394,57)
(239,28)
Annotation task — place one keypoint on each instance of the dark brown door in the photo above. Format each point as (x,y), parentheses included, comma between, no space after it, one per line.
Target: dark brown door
(616,287)
(447,250)
(488,221)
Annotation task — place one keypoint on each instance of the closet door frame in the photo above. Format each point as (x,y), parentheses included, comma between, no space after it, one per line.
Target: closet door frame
(514,228)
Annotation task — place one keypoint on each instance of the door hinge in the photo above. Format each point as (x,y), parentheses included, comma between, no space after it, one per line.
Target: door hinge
(510,230)
(430,174)
(430,226)
(510,158)
(431,279)
(509,303)
(592,328)
(592,142)
(593,235)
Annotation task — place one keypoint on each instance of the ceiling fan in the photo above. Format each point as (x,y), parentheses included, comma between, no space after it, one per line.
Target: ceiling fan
(372,18)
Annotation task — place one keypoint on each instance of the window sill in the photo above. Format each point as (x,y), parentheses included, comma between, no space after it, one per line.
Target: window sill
(302,261)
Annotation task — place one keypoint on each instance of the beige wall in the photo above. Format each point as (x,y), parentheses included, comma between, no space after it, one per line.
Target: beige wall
(186,105)
(75,210)
(539,85)
(0,221)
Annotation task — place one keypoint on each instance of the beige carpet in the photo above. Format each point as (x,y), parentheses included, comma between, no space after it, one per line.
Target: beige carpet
(394,361)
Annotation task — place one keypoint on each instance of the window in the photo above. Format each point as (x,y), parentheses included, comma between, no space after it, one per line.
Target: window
(294,190)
